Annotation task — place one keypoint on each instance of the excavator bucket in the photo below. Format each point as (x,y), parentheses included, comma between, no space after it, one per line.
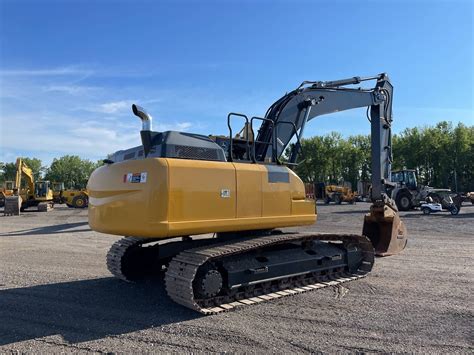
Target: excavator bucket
(12,205)
(382,225)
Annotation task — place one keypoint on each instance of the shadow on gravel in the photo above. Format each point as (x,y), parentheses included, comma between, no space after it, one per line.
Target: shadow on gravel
(53,229)
(86,310)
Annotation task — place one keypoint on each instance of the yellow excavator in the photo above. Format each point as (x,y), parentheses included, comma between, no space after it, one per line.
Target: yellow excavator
(208,209)
(35,194)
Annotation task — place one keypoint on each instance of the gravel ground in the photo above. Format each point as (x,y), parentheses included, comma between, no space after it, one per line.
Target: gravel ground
(56,295)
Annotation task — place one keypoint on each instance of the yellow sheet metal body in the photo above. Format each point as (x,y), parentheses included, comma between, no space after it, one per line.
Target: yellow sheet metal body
(164,197)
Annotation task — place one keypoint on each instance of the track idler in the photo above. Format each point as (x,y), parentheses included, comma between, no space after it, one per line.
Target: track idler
(382,225)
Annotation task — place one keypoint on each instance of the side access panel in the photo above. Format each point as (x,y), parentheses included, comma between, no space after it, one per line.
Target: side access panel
(249,189)
(276,191)
(201,190)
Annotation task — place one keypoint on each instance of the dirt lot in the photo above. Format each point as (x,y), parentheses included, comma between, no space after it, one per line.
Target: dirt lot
(57,295)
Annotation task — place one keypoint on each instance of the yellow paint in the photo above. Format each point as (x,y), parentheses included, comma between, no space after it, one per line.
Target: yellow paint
(195,188)
(249,180)
(186,197)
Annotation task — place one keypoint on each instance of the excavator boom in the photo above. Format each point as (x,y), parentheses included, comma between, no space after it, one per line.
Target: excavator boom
(23,171)
(314,99)
(287,119)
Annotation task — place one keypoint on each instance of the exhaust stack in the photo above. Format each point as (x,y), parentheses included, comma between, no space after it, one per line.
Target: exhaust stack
(146,134)
(144,117)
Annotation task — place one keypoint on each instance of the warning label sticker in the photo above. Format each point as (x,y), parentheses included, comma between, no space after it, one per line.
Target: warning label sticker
(135,177)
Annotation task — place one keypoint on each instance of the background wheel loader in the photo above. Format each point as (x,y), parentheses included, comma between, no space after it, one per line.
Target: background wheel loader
(339,194)
(408,194)
(177,185)
(73,198)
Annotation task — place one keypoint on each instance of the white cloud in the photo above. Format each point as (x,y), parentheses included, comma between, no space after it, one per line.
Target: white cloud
(72,89)
(91,121)
(180,126)
(46,72)
(114,107)
(183,126)
(68,117)
(95,133)
(65,135)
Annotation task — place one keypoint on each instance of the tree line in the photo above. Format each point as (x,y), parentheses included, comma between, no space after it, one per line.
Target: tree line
(70,169)
(442,155)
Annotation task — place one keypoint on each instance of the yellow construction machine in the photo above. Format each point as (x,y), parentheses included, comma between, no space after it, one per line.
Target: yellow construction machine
(339,194)
(34,194)
(73,198)
(6,190)
(207,209)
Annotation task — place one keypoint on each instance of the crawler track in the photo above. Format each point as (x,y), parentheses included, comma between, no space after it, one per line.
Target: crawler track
(183,268)
(117,263)
(116,255)
(123,263)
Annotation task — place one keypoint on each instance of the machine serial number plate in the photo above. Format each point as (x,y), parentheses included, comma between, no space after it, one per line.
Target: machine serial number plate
(135,177)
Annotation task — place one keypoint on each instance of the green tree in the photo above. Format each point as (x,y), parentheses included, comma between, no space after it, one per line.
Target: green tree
(442,155)
(8,172)
(72,170)
(356,159)
(36,166)
(332,159)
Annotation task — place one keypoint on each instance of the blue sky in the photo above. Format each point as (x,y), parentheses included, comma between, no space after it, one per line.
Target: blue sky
(70,70)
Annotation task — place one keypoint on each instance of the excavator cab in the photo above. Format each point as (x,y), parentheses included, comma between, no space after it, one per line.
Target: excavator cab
(405,178)
(43,190)
(58,190)
(58,186)
(8,186)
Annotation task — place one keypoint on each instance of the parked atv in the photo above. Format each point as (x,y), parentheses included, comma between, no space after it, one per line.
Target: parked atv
(439,201)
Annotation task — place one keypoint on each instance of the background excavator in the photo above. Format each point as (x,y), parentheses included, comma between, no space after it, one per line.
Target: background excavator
(35,194)
(168,193)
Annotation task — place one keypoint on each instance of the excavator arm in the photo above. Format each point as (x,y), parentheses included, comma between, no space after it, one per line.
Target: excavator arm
(288,116)
(22,170)
(313,99)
